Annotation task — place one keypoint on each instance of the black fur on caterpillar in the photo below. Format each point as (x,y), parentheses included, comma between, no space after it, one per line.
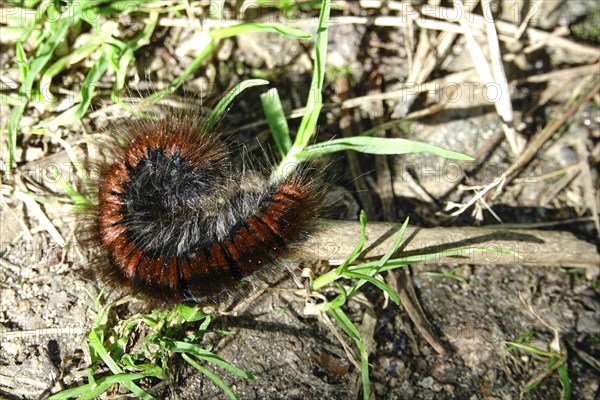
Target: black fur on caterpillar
(174,220)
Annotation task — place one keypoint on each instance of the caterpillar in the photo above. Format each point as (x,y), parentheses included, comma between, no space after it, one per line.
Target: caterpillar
(176,222)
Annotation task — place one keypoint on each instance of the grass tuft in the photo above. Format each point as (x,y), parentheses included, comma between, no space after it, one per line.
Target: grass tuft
(165,333)
(367,272)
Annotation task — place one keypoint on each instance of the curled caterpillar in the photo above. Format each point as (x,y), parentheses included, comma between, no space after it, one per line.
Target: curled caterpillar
(175,222)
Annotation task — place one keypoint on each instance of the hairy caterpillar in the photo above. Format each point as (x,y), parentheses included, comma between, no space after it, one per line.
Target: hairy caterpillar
(176,223)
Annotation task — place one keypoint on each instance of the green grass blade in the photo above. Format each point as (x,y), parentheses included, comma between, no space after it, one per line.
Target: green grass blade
(376,145)
(359,246)
(348,327)
(445,274)
(209,46)
(190,348)
(221,107)
(388,254)
(213,377)
(11,99)
(21,60)
(278,125)
(532,385)
(531,349)
(207,50)
(190,314)
(34,67)
(126,55)
(13,126)
(418,258)
(98,347)
(230,31)
(363,277)
(563,375)
(216,9)
(44,52)
(315,97)
(338,301)
(374,266)
(95,389)
(126,379)
(59,65)
(88,88)
(76,197)
(345,323)
(401,123)
(381,285)
(335,274)
(72,392)
(121,7)
(121,74)
(314,103)
(101,319)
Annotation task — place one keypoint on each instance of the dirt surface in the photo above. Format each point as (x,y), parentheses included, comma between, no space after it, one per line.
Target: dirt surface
(47,291)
